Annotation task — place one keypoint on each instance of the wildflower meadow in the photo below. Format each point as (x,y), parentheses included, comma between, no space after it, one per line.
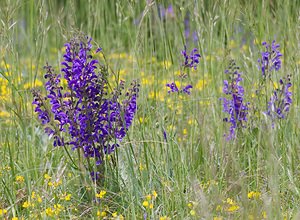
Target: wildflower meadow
(145,109)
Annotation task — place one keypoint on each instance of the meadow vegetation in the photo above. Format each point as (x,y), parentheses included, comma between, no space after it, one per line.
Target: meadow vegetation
(215,132)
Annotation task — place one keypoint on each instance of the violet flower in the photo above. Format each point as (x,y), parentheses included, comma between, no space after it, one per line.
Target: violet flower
(173,88)
(85,115)
(191,60)
(234,105)
(270,58)
(281,100)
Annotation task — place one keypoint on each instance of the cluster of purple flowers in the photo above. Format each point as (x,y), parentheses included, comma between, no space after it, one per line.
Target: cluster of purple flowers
(173,88)
(281,100)
(85,115)
(270,58)
(235,106)
(191,60)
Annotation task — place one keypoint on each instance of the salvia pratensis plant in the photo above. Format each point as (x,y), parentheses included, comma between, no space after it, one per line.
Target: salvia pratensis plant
(190,61)
(281,100)
(85,114)
(270,59)
(234,104)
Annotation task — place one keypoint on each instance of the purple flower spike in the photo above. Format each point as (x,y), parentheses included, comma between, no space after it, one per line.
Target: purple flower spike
(281,100)
(270,58)
(235,105)
(191,60)
(186,89)
(173,87)
(85,115)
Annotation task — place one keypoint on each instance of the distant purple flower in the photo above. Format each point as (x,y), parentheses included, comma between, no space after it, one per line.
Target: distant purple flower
(173,88)
(186,89)
(281,100)
(270,58)
(165,12)
(235,105)
(191,60)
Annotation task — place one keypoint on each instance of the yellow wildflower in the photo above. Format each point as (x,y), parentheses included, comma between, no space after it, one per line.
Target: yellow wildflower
(164,218)
(20,179)
(141,167)
(190,205)
(4,114)
(49,212)
(26,204)
(145,203)
(57,209)
(101,214)
(254,195)
(192,212)
(47,177)
(154,193)
(101,194)
(14,218)
(151,206)
(233,208)
(166,64)
(115,214)
(217,218)
(39,199)
(68,197)
(33,196)
(148,197)
(3,212)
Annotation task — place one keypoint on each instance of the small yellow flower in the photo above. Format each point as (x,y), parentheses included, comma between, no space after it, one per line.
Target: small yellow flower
(26,204)
(57,209)
(154,193)
(47,177)
(101,194)
(20,179)
(151,206)
(101,214)
(33,196)
(254,195)
(3,212)
(115,214)
(141,167)
(190,205)
(233,208)
(164,218)
(145,203)
(49,212)
(68,197)
(39,199)
(217,218)
(148,197)
(192,212)
(14,218)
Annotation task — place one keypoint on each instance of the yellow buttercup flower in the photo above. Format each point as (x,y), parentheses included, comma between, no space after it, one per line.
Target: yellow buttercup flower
(145,203)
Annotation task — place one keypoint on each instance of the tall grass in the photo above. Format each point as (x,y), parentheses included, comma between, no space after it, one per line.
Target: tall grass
(195,172)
